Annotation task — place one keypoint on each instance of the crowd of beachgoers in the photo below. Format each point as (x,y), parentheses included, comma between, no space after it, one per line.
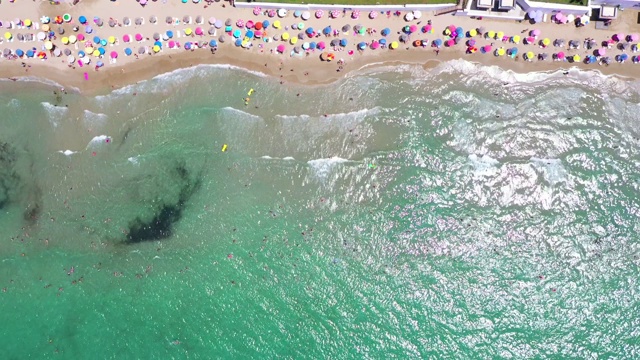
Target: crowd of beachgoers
(92,41)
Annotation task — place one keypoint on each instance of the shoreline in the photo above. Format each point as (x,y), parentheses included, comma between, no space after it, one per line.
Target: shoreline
(107,80)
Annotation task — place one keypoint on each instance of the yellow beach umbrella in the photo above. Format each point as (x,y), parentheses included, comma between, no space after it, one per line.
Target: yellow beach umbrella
(546,41)
(516,39)
(48,45)
(285,36)
(276,24)
(576,58)
(501,52)
(530,55)
(473,32)
(27,22)
(187,31)
(447,31)
(112,39)
(394,45)
(88,50)
(73,39)
(293,40)
(96,53)
(499,35)
(156,48)
(8,35)
(45,27)
(491,34)
(65,40)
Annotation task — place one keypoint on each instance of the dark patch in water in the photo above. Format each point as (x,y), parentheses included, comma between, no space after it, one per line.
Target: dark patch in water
(160,225)
(9,179)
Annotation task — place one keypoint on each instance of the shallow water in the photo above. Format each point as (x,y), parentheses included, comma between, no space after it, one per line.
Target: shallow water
(461,211)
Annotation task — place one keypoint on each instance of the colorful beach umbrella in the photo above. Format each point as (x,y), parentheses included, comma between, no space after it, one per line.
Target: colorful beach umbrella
(393,45)
(546,42)
(385,32)
(529,55)
(127,51)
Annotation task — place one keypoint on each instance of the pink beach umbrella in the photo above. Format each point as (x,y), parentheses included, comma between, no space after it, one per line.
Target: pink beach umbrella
(126,38)
(172,44)
(80,37)
(319,14)
(199,31)
(250,24)
(413,28)
(280,48)
(535,32)
(355,14)
(486,48)
(271,13)
(602,52)
(450,42)
(257,10)
(530,40)
(633,37)
(138,37)
(373,14)
(427,28)
(240,23)
(114,55)
(452,28)
(321,45)
(375,45)
(560,55)
(618,37)
(335,13)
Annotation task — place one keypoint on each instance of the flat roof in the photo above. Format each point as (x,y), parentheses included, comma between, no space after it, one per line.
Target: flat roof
(484,3)
(507,3)
(608,11)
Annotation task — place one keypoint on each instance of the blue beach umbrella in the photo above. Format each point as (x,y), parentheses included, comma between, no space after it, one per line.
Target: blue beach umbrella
(102,51)
(30,53)
(238,42)
(438,42)
(213,43)
(383,41)
(81,53)
(187,45)
(228,28)
(127,51)
(362,46)
(249,34)
(237,33)
(158,43)
(385,32)
(297,13)
(103,42)
(623,57)
(169,34)
(343,42)
(265,24)
(513,51)
(327,30)
(407,29)
(82,19)
(313,45)
(459,32)
(99,63)
(96,39)
(309,31)
(19,52)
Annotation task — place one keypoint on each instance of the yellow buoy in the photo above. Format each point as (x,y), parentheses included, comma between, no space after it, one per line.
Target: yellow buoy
(250,92)
(224,147)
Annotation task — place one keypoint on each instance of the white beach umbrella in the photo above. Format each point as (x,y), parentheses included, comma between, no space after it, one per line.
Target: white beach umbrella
(409,17)
(71,59)
(417,14)
(282,12)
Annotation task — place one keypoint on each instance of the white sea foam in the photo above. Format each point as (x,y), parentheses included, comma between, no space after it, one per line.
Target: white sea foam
(484,165)
(99,140)
(267,157)
(352,115)
(240,114)
(322,167)
(551,170)
(68,152)
(93,120)
(134,160)
(54,113)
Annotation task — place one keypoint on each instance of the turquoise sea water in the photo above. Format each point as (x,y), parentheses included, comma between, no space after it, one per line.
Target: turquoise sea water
(460,212)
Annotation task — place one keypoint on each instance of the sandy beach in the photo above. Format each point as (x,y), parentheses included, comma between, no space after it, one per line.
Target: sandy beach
(262,56)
